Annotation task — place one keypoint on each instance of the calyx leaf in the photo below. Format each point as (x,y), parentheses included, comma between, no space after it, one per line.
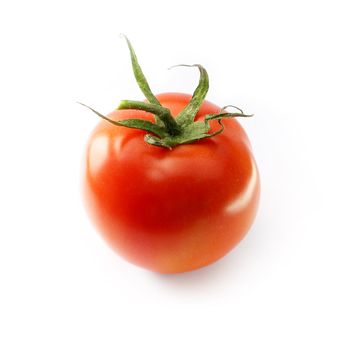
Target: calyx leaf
(133,123)
(187,115)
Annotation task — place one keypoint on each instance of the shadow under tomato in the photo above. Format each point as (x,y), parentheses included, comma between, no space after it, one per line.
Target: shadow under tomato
(217,273)
(221,273)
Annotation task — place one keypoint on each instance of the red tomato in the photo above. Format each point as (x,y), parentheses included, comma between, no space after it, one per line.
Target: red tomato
(171,210)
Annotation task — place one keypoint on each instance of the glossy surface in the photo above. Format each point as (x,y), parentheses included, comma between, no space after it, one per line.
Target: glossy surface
(170,211)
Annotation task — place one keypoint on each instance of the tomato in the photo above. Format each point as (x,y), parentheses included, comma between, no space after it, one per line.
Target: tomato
(170,210)
(171,183)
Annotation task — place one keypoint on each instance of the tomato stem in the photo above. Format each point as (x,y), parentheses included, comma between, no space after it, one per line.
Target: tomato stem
(168,131)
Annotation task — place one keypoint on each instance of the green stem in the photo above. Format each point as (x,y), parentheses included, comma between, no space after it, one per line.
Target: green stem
(167,131)
(159,111)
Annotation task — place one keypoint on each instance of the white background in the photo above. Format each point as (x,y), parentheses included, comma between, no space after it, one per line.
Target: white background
(61,287)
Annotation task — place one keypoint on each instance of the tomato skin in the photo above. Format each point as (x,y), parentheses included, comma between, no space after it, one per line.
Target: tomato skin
(170,210)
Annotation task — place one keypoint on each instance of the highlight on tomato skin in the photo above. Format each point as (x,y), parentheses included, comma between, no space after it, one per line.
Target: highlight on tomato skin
(176,190)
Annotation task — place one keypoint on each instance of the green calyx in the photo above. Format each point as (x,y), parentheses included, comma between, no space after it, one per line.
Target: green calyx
(168,131)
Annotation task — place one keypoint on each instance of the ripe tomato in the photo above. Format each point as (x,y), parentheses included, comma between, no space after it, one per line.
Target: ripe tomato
(170,210)
(168,189)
